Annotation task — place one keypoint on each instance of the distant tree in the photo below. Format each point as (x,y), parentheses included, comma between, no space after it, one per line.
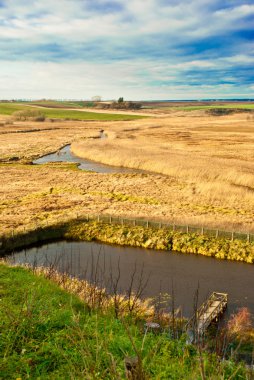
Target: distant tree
(96,98)
(120,100)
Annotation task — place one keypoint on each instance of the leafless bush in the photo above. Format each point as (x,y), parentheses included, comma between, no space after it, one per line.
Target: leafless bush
(24,115)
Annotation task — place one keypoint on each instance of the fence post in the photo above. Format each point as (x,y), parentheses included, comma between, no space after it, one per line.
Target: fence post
(110,219)
(202,230)
(248,238)
(122,221)
(134,222)
(147,224)
(217,234)
(187,229)
(232,237)
(98,218)
(160,225)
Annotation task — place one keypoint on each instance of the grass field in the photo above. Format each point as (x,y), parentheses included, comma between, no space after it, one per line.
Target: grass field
(9,109)
(206,165)
(49,333)
(209,160)
(59,104)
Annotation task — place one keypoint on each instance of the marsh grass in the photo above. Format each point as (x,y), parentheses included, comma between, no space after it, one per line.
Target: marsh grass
(207,164)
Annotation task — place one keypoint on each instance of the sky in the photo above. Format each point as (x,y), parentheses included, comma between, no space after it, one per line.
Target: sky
(138,49)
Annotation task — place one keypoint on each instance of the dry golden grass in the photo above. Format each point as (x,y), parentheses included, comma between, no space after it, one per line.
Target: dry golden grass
(208,161)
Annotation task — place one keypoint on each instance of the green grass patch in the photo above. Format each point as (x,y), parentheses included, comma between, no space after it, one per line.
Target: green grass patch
(58,104)
(47,333)
(9,109)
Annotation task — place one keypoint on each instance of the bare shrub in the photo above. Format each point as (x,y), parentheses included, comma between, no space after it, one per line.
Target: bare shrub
(24,115)
(240,323)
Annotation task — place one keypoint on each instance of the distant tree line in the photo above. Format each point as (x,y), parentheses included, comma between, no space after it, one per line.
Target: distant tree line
(120,104)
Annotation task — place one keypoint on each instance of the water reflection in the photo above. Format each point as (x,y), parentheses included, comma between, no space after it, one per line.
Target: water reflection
(65,155)
(153,271)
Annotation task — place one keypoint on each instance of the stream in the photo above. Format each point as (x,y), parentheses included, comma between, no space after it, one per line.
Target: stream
(156,271)
(65,155)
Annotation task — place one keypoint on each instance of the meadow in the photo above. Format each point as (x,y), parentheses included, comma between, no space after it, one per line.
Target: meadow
(58,113)
(209,161)
(203,170)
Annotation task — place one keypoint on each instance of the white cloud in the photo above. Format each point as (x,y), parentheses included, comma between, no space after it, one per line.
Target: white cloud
(128,50)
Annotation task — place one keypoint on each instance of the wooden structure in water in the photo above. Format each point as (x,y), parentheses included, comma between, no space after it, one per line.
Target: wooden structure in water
(207,313)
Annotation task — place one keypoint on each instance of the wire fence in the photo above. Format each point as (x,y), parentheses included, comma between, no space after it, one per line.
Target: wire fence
(216,233)
(232,235)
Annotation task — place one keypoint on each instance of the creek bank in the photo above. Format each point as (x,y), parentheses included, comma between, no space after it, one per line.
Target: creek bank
(44,325)
(135,236)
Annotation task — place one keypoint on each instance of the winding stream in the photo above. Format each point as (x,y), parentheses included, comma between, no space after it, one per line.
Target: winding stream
(97,262)
(65,155)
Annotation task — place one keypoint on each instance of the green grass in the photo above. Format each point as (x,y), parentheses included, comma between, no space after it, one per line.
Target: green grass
(60,104)
(8,109)
(47,333)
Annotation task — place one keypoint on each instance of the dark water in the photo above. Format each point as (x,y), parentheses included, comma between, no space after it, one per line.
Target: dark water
(157,271)
(65,155)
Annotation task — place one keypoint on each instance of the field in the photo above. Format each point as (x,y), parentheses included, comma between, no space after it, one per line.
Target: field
(198,105)
(202,164)
(56,113)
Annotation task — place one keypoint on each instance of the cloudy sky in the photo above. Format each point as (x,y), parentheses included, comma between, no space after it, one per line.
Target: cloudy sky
(139,49)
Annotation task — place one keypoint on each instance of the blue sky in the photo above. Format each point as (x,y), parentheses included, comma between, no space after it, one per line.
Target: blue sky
(139,49)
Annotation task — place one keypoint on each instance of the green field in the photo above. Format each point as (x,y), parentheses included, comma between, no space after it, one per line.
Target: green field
(47,333)
(58,104)
(9,108)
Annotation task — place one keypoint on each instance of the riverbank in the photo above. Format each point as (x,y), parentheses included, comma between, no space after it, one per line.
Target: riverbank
(50,333)
(135,236)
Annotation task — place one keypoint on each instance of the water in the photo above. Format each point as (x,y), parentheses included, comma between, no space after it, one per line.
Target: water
(65,155)
(156,271)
